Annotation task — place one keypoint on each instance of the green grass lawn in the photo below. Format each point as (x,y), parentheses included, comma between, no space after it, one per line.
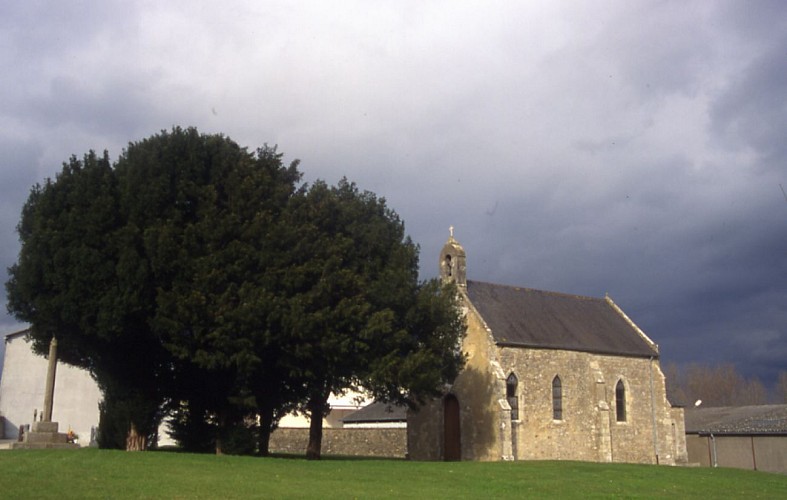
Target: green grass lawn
(91,473)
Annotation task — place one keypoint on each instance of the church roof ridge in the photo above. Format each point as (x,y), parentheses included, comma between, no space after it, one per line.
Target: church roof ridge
(530,289)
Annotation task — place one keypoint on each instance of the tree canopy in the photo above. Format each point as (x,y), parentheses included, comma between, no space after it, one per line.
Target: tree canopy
(197,278)
(78,279)
(355,314)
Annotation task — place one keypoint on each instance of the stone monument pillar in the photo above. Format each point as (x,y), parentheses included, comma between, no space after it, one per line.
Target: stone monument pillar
(51,371)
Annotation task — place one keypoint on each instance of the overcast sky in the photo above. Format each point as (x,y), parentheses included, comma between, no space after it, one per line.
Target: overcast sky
(631,148)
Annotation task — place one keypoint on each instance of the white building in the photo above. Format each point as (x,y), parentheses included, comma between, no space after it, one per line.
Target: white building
(341,406)
(75,405)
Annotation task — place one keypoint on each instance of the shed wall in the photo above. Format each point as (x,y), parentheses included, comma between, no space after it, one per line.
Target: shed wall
(764,453)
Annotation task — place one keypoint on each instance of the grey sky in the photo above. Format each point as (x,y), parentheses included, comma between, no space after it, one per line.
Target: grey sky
(634,148)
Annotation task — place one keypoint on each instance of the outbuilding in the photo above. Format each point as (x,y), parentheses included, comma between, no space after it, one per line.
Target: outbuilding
(743,437)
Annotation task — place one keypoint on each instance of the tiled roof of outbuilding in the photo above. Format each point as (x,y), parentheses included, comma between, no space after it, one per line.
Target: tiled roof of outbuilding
(523,317)
(759,419)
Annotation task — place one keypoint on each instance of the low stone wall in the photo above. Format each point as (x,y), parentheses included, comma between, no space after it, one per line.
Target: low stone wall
(391,443)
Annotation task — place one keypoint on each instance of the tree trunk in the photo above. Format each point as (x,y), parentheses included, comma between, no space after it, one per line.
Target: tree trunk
(317,409)
(220,431)
(134,440)
(266,427)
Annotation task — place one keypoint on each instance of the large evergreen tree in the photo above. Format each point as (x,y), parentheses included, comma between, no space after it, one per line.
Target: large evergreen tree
(146,272)
(356,315)
(79,277)
(214,207)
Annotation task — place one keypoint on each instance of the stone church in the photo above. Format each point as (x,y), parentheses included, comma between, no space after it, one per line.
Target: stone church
(549,376)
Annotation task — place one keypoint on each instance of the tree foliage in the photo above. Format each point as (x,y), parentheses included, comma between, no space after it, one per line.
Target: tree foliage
(196,278)
(78,279)
(204,223)
(355,314)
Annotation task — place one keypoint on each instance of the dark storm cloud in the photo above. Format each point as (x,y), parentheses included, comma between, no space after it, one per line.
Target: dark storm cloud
(752,111)
(104,108)
(629,148)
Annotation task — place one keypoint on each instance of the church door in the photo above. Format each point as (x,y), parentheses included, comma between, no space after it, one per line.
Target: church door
(453,446)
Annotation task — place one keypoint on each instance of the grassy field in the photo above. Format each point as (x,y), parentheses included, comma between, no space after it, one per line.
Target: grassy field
(90,473)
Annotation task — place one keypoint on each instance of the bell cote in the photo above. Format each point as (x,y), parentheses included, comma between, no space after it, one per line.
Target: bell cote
(453,261)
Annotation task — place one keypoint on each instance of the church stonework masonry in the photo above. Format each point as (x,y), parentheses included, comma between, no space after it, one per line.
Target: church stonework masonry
(549,376)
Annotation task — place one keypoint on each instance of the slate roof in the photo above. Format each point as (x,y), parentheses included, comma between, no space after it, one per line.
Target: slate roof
(523,317)
(377,412)
(740,420)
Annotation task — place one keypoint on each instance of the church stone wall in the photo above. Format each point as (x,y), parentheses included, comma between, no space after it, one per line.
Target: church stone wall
(589,429)
(480,390)
(679,435)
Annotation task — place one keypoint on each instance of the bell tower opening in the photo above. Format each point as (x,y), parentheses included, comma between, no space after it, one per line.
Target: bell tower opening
(453,261)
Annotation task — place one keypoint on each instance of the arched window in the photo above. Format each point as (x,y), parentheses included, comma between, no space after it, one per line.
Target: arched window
(513,399)
(620,401)
(557,399)
(449,268)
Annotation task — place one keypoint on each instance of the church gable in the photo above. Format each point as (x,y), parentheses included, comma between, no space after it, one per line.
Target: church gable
(523,317)
(548,376)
